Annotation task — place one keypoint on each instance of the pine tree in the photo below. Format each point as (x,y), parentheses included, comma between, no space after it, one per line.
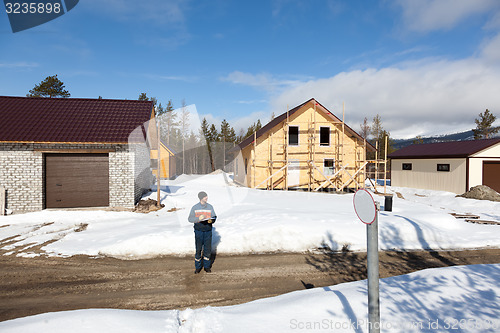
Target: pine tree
(484,125)
(253,128)
(169,122)
(381,144)
(50,87)
(205,130)
(225,131)
(418,140)
(144,97)
(227,135)
(258,126)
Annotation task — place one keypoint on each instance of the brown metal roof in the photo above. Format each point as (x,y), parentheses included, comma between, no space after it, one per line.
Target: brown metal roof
(283,117)
(444,149)
(70,120)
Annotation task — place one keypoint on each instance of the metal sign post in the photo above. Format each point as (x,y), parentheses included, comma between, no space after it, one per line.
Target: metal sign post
(373,274)
(367,210)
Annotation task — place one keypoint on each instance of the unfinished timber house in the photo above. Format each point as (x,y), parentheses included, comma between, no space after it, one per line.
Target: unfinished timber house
(307,148)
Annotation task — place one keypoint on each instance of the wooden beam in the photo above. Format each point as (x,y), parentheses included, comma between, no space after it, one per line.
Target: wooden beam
(274,174)
(332,177)
(352,177)
(314,165)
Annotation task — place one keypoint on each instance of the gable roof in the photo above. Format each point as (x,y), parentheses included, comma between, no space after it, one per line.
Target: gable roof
(455,149)
(283,117)
(70,120)
(167,147)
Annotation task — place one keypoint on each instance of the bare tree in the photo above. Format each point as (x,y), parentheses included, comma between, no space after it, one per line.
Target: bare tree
(365,129)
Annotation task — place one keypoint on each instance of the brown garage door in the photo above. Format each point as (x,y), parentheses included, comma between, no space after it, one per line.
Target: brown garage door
(491,175)
(76,180)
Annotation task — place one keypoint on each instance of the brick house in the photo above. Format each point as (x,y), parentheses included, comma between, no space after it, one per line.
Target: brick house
(72,152)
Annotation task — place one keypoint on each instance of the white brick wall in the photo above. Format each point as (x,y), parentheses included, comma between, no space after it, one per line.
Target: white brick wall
(21,171)
(22,174)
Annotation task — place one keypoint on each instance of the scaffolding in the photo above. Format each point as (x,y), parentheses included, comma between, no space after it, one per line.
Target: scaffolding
(282,159)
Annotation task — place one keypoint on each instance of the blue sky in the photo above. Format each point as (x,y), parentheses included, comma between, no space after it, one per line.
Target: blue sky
(426,66)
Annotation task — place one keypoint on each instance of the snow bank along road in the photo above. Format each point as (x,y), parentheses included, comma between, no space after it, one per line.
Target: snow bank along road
(37,285)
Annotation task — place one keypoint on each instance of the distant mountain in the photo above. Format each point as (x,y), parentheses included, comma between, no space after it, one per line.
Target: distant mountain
(461,136)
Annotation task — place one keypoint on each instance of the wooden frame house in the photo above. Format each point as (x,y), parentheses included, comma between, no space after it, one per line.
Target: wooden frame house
(167,161)
(306,147)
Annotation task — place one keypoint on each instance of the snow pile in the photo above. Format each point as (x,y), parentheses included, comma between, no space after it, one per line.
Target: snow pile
(252,221)
(461,298)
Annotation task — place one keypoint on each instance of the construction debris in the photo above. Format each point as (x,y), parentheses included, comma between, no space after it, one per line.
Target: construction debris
(464,216)
(471,218)
(146,206)
(482,221)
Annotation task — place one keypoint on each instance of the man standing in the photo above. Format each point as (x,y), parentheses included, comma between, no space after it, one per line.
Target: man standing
(202,215)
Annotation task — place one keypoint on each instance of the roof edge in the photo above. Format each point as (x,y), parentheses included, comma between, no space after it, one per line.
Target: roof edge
(248,140)
(78,98)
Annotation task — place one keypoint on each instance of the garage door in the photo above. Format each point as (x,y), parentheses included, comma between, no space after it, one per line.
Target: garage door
(491,175)
(76,180)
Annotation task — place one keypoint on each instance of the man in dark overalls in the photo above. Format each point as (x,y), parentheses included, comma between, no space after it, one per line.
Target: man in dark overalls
(203,216)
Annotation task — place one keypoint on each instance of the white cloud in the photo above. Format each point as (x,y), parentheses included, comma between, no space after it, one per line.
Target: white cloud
(154,11)
(182,78)
(423,98)
(20,64)
(263,81)
(491,49)
(429,15)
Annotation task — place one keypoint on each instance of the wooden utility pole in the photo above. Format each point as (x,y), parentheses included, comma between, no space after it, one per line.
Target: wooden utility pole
(287,138)
(158,170)
(385,166)
(254,156)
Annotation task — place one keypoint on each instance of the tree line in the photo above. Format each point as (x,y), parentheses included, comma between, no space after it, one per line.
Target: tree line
(197,151)
(207,149)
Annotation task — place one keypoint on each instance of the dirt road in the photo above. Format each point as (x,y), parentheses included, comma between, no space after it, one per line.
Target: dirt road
(30,286)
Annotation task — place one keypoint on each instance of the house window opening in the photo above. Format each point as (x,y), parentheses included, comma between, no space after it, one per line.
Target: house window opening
(293,135)
(324,136)
(329,167)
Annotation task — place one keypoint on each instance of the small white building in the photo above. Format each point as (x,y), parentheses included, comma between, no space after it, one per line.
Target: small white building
(448,166)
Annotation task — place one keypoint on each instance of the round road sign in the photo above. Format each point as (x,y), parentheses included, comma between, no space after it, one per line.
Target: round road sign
(364,206)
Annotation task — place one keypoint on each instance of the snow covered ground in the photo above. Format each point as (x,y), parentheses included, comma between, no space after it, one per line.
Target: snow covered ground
(452,299)
(461,299)
(252,221)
